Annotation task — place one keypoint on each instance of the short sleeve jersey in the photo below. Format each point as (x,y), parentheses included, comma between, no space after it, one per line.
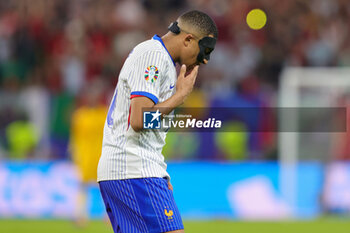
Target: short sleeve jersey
(148,71)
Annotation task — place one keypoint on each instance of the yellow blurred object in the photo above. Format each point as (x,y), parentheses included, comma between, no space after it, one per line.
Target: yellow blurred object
(256,19)
(233,142)
(197,99)
(86,139)
(22,138)
(196,104)
(181,145)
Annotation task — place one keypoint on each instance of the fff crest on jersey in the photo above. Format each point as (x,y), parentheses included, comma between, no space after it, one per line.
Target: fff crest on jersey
(151,74)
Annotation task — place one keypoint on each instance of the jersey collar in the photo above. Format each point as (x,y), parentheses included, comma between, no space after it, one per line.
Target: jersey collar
(156,37)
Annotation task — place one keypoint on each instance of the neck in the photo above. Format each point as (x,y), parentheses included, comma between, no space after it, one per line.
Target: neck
(170,43)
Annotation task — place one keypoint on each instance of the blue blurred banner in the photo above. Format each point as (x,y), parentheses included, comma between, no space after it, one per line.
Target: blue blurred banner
(243,190)
(336,191)
(202,190)
(32,189)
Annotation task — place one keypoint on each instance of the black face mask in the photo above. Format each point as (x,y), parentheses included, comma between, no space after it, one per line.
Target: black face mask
(206,44)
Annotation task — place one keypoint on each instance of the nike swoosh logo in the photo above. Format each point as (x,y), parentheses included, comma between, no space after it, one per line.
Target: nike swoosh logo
(172,86)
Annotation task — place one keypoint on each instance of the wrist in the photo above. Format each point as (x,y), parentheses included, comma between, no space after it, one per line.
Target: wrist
(180,96)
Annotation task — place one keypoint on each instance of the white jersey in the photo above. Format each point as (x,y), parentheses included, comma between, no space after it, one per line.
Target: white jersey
(148,71)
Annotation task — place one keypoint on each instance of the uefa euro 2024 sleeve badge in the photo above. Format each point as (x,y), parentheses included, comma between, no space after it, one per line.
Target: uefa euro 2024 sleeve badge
(151,74)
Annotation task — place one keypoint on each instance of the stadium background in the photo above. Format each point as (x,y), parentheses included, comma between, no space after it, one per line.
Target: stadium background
(58,58)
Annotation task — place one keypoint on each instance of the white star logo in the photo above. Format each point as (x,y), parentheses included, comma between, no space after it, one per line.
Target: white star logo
(155,115)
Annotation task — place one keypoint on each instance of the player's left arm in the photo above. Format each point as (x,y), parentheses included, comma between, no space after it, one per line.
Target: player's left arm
(184,86)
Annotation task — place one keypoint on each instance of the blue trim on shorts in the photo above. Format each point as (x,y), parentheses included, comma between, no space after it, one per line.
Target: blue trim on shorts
(141,205)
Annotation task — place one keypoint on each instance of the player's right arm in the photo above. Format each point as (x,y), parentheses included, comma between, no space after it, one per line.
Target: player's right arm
(184,86)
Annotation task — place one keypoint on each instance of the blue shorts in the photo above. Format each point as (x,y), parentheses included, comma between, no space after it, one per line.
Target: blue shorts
(140,205)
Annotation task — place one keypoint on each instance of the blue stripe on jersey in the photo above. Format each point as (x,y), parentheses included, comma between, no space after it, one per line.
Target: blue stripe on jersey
(156,37)
(146,94)
(140,205)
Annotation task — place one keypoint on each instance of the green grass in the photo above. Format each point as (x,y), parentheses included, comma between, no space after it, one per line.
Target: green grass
(316,226)
(323,225)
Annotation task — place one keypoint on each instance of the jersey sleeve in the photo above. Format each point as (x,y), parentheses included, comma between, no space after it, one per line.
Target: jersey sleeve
(147,74)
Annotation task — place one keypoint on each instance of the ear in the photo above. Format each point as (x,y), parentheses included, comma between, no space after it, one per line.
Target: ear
(187,40)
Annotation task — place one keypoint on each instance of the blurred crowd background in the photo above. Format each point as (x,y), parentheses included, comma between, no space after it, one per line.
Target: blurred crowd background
(60,60)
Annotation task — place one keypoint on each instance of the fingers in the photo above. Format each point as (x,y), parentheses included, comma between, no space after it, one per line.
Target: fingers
(193,74)
(195,71)
(182,71)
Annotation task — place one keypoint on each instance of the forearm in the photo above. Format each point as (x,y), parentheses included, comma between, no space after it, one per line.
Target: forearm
(141,104)
(170,104)
(184,87)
